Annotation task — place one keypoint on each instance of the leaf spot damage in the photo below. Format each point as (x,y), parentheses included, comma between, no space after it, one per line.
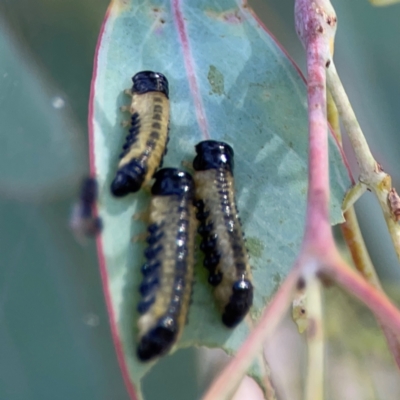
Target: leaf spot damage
(216,80)
(160,15)
(233,16)
(254,246)
(277,279)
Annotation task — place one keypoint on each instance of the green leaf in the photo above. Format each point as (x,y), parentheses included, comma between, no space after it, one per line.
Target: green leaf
(232,73)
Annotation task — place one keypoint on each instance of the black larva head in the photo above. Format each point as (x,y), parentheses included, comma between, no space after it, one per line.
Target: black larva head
(158,340)
(172,181)
(239,303)
(129,179)
(212,155)
(149,81)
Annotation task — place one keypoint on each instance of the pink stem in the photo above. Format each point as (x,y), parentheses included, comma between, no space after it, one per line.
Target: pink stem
(318,229)
(316,38)
(314,32)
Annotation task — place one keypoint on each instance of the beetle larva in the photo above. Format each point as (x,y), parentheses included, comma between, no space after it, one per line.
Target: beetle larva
(146,142)
(83,221)
(223,243)
(168,273)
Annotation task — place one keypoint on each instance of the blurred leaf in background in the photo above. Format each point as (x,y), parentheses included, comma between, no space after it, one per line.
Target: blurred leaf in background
(41,154)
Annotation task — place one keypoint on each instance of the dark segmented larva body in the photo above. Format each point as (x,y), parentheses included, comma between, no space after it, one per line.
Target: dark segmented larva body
(83,221)
(146,142)
(223,243)
(168,273)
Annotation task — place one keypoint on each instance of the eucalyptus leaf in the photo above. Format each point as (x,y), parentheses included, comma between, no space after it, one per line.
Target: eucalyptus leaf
(230,81)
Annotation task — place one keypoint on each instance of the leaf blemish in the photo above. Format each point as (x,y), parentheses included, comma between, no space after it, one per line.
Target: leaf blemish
(216,80)
(277,280)
(159,15)
(231,16)
(255,247)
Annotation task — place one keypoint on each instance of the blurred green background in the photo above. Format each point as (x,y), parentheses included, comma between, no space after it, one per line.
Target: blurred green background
(55,340)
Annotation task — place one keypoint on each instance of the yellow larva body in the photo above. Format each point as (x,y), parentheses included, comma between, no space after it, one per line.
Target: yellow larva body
(168,273)
(153,111)
(223,242)
(146,142)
